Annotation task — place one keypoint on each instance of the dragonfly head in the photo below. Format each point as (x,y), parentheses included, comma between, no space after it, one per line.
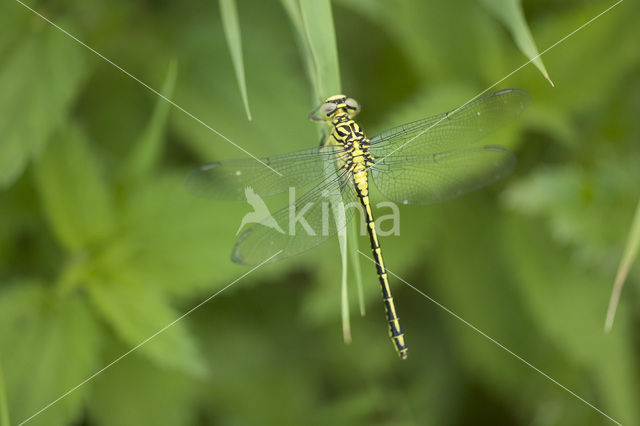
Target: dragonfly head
(335,107)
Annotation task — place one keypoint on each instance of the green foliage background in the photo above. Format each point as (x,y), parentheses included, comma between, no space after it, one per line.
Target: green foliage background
(101,246)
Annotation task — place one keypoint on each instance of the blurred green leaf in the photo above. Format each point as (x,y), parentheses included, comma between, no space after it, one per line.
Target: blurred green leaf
(53,347)
(149,396)
(75,197)
(357,394)
(511,14)
(567,302)
(429,36)
(39,81)
(177,251)
(12,21)
(613,36)
(147,150)
(139,313)
(480,289)
(629,255)
(231,26)
(4,406)
(573,201)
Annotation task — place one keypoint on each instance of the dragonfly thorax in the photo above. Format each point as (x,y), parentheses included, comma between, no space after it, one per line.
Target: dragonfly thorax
(343,117)
(347,132)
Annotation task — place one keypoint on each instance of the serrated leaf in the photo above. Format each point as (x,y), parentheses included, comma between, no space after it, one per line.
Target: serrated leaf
(176,240)
(147,396)
(44,333)
(142,317)
(231,26)
(76,200)
(147,150)
(511,14)
(39,81)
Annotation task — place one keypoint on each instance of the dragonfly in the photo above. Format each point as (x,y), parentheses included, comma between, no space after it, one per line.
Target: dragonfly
(428,161)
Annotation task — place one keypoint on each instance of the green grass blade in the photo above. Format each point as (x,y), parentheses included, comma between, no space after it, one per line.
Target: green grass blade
(355,259)
(319,33)
(344,295)
(4,406)
(317,19)
(511,14)
(630,253)
(292,8)
(147,150)
(231,26)
(313,22)
(338,209)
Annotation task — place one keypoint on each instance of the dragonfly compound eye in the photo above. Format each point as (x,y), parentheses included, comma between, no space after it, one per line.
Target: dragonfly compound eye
(352,105)
(328,108)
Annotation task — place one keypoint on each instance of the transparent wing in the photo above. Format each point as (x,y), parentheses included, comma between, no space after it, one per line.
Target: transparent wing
(229,179)
(302,225)
(456,129)
(433,178)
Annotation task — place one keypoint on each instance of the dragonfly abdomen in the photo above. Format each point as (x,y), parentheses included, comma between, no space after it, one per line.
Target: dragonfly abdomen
(395,331)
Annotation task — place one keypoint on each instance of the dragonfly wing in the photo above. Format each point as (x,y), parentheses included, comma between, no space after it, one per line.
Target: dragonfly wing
(229,179)
(302,225)
(434,178)
(456,129)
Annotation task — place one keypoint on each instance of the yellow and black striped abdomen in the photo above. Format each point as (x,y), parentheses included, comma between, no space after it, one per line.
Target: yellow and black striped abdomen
(395,331)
